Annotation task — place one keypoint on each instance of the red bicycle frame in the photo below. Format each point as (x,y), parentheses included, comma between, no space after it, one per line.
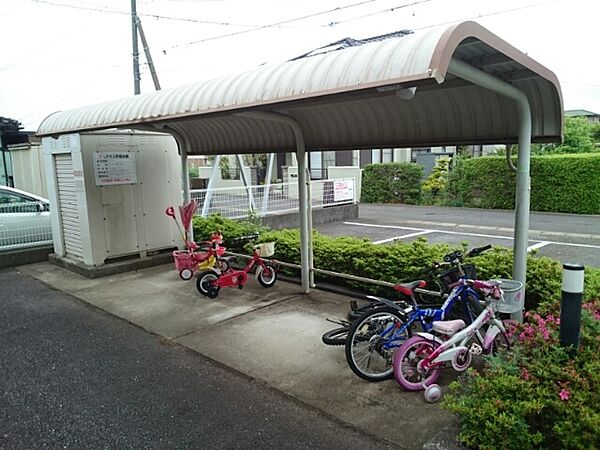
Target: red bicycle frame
(240,277)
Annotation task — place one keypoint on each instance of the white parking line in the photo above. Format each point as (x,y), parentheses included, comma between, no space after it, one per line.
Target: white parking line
(538,245)
(397,238)
(459,233)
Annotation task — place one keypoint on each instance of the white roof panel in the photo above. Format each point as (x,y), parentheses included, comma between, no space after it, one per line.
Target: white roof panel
(338,99)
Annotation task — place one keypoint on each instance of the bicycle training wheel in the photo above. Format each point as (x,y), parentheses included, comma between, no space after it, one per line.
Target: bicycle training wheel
(406,363)
(372,339)
(266,276)
(205,283)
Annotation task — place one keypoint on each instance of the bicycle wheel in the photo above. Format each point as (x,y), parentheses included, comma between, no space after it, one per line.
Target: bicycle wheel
(224,266)
(372,339)
(406,363)
(186,274)
(337,336)
(266,276)
(205,281)
(500,344)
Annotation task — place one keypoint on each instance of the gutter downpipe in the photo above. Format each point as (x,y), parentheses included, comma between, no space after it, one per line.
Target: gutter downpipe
(305,208)
(476,76)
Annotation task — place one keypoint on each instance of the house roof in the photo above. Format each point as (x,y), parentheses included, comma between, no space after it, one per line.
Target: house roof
(347,99)
(580,113)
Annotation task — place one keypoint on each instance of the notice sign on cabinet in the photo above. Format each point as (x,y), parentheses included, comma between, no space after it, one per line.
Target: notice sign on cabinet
(114,168)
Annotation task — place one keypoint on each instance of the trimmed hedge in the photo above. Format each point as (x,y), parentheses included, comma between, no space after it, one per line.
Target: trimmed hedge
(392,183)
(406,262)
(559,183)
(394,263)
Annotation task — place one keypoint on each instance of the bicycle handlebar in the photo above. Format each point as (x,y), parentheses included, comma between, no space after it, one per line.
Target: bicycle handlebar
(249,237)
(479,250)
(457,255)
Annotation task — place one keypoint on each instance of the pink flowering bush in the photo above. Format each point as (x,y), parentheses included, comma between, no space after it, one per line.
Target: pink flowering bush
(536,395)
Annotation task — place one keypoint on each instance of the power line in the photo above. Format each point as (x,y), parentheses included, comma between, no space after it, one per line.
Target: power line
(378,12)
(154,16)
(272,25)
(495,13)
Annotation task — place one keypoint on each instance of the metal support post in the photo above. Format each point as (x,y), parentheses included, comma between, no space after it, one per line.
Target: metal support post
(136,53)
(476,76)
(310,228)
(305,248)
(570,306)
(247,184)
(211,184)
(268,176)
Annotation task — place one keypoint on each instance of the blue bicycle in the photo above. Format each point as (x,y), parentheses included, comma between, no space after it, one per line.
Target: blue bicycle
(374,336)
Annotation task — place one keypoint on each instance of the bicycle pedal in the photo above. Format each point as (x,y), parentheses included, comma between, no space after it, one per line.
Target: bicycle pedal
(353,305)
(475,349)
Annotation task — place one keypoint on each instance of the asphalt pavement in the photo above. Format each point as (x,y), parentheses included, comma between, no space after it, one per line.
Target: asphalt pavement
(565,237)
(74,376)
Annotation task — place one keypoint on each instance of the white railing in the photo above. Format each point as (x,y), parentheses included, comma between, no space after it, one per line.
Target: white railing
(24,225)
(264,200)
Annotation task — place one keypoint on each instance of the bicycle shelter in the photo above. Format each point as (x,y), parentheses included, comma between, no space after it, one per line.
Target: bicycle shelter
(454,85)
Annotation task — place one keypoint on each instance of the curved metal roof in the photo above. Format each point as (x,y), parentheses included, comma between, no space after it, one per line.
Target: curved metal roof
(347,99)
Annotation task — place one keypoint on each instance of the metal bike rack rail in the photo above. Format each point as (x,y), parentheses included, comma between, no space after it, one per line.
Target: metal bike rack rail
(343,275)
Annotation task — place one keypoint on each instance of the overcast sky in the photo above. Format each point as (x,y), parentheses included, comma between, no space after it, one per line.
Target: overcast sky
(61,54)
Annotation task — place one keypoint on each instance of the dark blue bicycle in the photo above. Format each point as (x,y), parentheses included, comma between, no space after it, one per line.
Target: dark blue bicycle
(374,336)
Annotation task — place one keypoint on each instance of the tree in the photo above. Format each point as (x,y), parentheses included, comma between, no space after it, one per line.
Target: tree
(580,136)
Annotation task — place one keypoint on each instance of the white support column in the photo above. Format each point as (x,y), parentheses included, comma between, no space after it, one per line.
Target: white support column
(185,175)
(476,76)
(265,203)
(310,227)
(247,183)
(305,231)
(211,183)
(305,248)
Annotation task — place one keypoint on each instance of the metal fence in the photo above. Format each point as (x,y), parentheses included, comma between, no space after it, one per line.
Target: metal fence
(263,200)
(24,225)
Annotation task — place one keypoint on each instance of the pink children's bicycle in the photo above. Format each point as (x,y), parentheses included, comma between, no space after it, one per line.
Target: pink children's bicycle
(418,362)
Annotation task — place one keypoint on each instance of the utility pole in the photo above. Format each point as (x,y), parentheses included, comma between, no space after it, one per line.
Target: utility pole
(148,55)
(136,55)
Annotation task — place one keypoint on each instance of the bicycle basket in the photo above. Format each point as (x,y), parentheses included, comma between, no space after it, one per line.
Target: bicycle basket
(266,249)
(512,296)
(183,260)
(452,276)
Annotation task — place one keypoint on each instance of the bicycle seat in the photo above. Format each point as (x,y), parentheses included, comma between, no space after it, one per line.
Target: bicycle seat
(448,327)
(409,288)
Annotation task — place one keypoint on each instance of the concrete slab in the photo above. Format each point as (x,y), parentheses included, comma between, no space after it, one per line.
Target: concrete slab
(281,345)
(272,335)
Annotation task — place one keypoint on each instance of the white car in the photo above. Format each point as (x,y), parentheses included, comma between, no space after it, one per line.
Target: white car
(24,219)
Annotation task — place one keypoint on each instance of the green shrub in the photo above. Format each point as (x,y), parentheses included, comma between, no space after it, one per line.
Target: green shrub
(537,395)
(434,187)
(231,229)
(409,261)
(559,183)
(392,183)
(395,263)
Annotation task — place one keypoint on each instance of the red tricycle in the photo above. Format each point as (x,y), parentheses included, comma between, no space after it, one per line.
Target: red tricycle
(210,281)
